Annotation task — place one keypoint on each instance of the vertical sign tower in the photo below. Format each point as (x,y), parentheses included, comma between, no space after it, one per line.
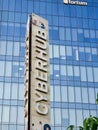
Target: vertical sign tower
(37,86)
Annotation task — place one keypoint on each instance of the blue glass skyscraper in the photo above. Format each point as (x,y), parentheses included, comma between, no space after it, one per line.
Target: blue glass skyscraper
(73,36)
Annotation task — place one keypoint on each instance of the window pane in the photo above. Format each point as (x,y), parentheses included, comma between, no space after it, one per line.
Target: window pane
(92,97)
(2,68)
(1,90)
(95,74)
(8,69)
(7,90)
(70,70)
(84,95)
(79,117)
(57,117)
(0,112)
(21,92)
(56,51)
(65,120)
(89,74)
(5,116)
(20,119)
(64,94)
(16,49)
(72,119)
(52,92)
(57,93)
(13,111)
(83,74)
(76,70)
(78,94)
(2,47)
(52,116)
(9,48)
(14,90)
(71,94)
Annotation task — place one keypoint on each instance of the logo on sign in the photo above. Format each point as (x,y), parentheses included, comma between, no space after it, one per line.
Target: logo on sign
(47,127)
(75,2)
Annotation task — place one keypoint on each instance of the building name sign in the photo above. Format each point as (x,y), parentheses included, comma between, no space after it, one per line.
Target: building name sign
(75,2)
(40,81)
(41,71)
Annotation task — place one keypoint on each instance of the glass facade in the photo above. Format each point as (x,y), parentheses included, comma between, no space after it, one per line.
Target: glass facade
(73,31)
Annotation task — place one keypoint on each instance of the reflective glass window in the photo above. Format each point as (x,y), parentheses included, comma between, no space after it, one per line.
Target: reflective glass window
(95,74)
(69,70)
(10,30)
(52,116)
(1,90)
(74,34)
(15,69)
(0,112)
(62,33)
(2,66)
(5,127)
(20,118)
(7,90)
(72,117)
(65,120)
(91,95)
(2,47)
(8,69)
(84,95)
(57,93)
(12,127)
(88,54)
(55,21)
(64,93)
(48,8)
(93,112)
(51,69)
(71,96)
(55,33)
(18,5)
(79,117)
(42,7)
(5,114)
(62,52)
(20,127)
(76,70)
(52,93)
(11,5)
(17,17)
(85,113)
(14,91)
(68,34)
(89,74)
(56,51)
(54,9)
(63,70)
(51,51)
(68,51)
(78,94)
(13,111)
(57,116)
(11,17)
(21,91)
(9,48)
(83,73)
(5,4)
(4,17)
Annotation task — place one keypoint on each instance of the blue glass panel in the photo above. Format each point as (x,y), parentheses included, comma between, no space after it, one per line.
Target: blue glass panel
(11,5)
(5,4)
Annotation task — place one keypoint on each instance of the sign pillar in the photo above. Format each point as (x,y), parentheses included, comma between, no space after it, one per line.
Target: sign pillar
(39,82)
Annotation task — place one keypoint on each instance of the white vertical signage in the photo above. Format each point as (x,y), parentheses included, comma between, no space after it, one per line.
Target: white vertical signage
(39,74)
